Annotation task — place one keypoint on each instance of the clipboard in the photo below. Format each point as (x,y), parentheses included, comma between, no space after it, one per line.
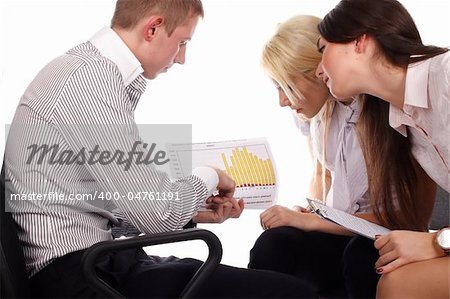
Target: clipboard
(352,223)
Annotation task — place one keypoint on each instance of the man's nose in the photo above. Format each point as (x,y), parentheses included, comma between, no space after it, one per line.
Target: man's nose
(181,56)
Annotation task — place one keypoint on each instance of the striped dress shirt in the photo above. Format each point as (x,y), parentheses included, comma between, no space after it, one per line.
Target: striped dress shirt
(83,99)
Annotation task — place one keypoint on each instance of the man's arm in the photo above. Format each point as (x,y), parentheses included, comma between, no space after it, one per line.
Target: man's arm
(108,126)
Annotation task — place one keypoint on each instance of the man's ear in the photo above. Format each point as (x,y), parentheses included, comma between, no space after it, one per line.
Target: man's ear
(153,24)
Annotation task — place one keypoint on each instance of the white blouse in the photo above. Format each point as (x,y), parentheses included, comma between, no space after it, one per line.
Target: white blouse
(426,114)
(344,158)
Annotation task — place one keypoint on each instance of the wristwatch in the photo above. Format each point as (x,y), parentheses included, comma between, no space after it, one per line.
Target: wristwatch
(443,239)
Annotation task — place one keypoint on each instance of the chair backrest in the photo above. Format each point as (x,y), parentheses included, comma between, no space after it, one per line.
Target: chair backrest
(441,210)
(13,276)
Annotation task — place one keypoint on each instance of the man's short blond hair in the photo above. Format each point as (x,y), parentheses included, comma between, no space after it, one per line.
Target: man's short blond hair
(175,12)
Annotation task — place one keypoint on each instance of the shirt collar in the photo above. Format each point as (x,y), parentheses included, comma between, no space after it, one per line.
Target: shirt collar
(416,86)
(110,45)
(416,95)
(397,120)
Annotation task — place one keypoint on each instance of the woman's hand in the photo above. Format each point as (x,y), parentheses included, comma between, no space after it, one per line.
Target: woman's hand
(403,247)
(281,216)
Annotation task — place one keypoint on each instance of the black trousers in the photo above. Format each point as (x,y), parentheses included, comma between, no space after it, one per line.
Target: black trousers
(334,266)
(137,275)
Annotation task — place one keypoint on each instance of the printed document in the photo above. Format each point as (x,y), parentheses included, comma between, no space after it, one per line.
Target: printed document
(249,162)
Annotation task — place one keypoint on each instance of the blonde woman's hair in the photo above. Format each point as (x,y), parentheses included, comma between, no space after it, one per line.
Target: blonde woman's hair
(292,53)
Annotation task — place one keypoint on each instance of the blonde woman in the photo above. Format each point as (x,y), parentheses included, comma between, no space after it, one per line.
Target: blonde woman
(295,241)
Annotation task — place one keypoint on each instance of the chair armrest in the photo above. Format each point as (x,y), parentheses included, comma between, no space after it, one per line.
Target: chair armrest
(208,267)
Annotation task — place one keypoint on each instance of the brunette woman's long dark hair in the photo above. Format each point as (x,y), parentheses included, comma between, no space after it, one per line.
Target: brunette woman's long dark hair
(387,21)
(393,172)
(391,168)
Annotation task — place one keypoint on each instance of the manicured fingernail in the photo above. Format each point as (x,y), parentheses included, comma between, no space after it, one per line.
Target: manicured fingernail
(379,270)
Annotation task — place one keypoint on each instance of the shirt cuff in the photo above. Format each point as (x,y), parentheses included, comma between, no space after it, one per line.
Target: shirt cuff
(209,176)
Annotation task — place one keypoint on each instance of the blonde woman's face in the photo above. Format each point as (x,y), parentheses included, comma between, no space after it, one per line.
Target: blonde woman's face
(314,91)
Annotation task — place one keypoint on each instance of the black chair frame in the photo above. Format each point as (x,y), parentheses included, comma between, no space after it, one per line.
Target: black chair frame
(207,268)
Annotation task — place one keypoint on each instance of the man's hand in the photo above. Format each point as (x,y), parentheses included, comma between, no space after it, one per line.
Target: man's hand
(222,206)
(219,210)
(226,185)
(398,248)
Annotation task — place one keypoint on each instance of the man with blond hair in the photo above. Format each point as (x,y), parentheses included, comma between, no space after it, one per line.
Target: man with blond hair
(84,102)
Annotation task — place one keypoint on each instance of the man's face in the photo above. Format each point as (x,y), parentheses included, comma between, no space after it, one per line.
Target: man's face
(164,51)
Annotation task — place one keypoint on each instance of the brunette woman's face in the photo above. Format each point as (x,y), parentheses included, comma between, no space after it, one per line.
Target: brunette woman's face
(338,68)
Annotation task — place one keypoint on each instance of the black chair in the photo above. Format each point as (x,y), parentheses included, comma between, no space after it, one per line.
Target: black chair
(13,276)
(441,210)
(208,267)
(14,280)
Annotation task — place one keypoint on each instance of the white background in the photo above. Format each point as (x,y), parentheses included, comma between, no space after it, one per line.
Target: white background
(221,90)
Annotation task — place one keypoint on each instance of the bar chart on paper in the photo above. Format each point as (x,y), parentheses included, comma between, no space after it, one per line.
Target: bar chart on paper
(249,162)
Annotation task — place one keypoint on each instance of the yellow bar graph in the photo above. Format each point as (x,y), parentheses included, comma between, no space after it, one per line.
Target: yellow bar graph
(252,179)
(247,169)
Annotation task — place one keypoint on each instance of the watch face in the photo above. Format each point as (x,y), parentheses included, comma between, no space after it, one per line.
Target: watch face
(443,238)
